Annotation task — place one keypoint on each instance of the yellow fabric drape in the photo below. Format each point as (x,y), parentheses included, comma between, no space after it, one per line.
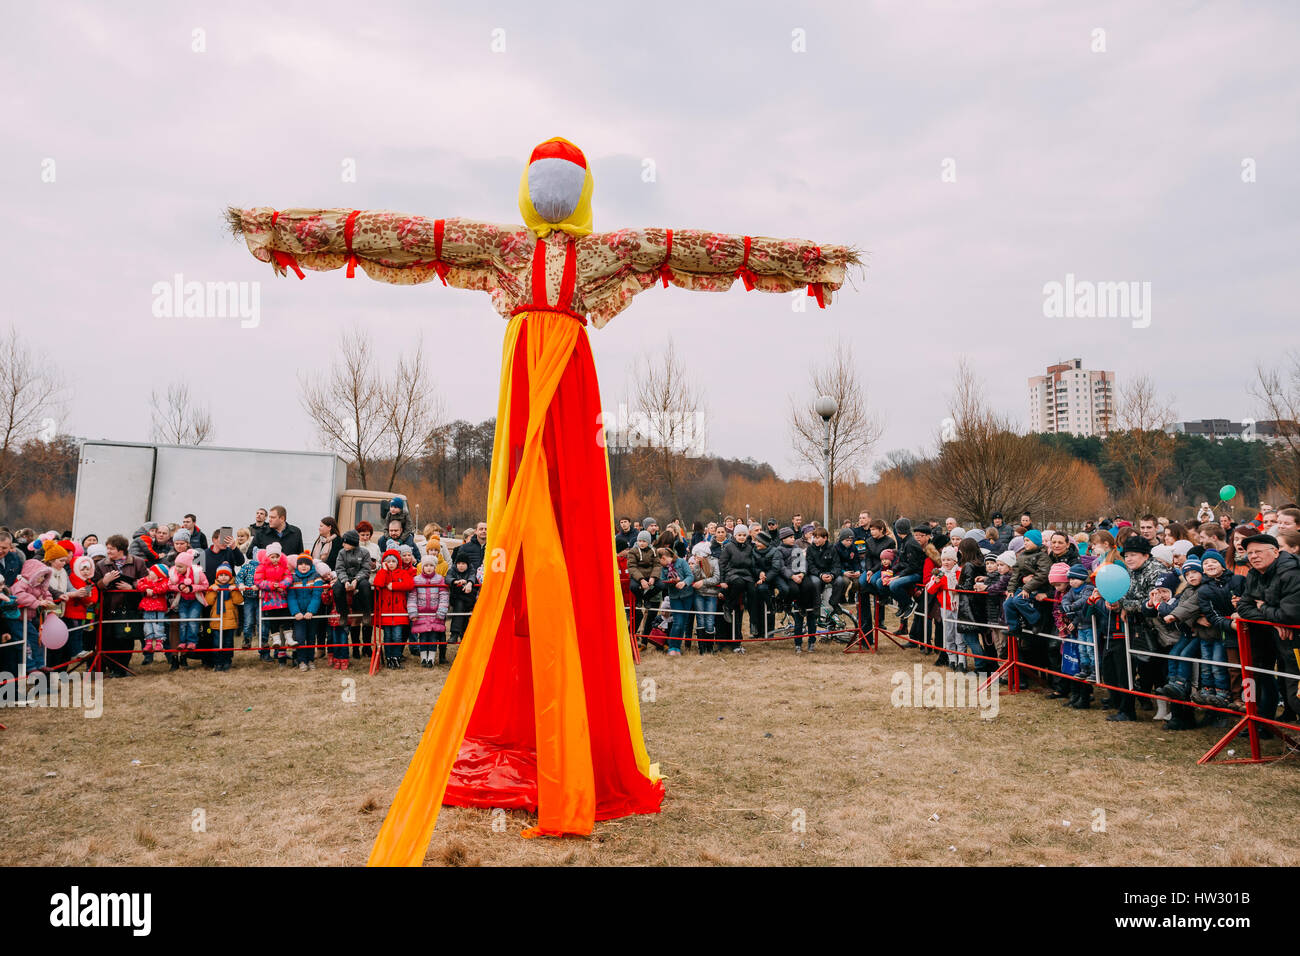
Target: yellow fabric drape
(522,522)
(577,223)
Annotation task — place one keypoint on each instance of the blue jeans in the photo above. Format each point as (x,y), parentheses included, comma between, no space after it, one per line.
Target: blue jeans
(707,605)
(189,612)
(393,642)
(1214,678)
(900,589)
(1087,662)
(681,620)
(1180,672)
(155,626)
(971,641)
(1017,608)
(35,653)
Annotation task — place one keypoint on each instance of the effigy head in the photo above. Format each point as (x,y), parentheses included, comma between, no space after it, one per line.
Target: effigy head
(555,191)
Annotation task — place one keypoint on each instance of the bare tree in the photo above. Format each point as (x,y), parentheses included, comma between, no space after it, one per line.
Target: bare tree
(1140,447)
(984,465)
(413,414)
(1278,394)
(667,425)
(31,401)
(855,428)
(178,419)
(371,415)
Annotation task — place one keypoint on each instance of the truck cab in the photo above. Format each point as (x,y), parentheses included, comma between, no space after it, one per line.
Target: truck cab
(356,504)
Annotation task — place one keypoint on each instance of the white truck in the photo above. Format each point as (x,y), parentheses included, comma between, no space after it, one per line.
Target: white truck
(122,485)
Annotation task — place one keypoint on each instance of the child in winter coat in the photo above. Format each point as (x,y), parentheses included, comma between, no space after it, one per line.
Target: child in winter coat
(705,577)
(426,607)
(675,577)
(191,584)
(225,598)
(392,584)
(273,577)
(79,606)
(304,604)
(941,587)
(463,596)
(1182,614)
(155,588)
(32,592)
(244,581)
(1220,685)
(1078,606)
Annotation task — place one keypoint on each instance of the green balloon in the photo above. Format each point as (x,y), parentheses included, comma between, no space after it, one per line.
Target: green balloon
(1227,493)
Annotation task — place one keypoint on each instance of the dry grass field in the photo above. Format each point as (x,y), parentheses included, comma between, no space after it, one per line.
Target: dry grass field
(285,771)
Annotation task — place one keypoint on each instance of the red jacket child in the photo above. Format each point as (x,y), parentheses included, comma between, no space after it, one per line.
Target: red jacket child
(83,570)
(390,602)
(154,588)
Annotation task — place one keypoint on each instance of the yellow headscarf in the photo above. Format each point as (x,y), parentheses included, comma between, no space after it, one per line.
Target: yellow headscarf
(578,222)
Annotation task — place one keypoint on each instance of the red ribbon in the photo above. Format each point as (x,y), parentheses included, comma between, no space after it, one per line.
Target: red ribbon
(348,226)
(664,272)
(283,259)
(745,273)
(437,265)
(815,290)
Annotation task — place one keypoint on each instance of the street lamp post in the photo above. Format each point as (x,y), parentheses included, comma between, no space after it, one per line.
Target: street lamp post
(826,407)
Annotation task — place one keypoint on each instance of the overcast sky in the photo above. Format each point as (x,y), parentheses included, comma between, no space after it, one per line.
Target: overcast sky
(1122,165)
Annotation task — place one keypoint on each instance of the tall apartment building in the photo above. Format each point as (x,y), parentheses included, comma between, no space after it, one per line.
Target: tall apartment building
(1071,398)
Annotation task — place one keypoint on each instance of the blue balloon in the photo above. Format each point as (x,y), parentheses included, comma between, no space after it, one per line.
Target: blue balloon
(1112,581)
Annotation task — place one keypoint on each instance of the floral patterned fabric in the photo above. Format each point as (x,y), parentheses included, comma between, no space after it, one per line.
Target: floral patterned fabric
(612,267)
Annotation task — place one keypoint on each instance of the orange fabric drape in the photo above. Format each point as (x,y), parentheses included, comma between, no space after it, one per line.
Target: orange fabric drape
(532,714)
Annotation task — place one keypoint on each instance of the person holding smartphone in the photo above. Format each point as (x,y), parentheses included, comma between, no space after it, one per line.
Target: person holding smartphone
(222,550)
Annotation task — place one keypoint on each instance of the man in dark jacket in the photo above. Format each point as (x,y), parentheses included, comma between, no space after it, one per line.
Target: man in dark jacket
(475,548)
(907,570)
(279,529)
(643,578)
(1005,531)
(115,576)
(222,551)
(824,568)
(1270,599)
(198,540)
(739,569)
(1144,574)
(626,536)
(878,541)
(761,611)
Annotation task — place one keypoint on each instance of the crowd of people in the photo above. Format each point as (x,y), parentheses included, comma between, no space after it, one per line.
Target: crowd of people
(172,593)
(1194,588)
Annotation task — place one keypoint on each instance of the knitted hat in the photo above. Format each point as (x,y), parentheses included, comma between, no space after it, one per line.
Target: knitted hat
(1059,573)
(1163,553)
(159,571)
(923,528)
(974,534)
(1192,564)
(902,526)
(643,537)
(1169,580)
(52,551)
(1182,546)
(97,551)
(957,533)
(352,538)
(948,553)
(394,553)
(305,557)
(185,559)
(1136,544)
(1036,536)
(223,568)
(807,528)
(1016,544)
(429,559)
(323,569)
(785,532)
(181,534)
(398,502)
(701,550)
(406,551)
(846,534)
(1007,558)
(647,522)
(1078,572)
(764,537)
(888,554)
(274,548)
(1212,555)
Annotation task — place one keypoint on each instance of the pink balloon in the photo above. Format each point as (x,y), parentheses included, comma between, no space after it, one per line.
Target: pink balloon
(54,633)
